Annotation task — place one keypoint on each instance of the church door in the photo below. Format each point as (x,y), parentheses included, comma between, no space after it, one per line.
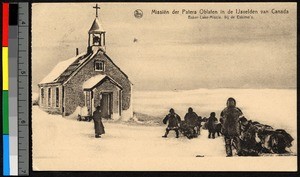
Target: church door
(106,105)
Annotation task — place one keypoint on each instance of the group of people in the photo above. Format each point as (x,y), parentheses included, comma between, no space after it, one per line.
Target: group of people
(245,136)
(229,118)
(229,123)
(191,119)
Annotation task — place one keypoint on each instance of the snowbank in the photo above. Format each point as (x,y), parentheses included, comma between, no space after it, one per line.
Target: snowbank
(127,114)
(34,98)
(75,114)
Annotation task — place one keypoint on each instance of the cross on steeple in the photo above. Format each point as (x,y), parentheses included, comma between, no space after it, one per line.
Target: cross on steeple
(96,7)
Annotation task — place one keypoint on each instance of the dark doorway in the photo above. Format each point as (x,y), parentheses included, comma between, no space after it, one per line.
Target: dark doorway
(106,105)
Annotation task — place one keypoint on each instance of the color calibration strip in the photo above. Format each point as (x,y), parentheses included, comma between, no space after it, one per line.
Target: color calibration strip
(5,109)
(10,34)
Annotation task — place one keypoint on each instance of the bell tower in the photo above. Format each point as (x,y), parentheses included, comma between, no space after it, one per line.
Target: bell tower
(96,33)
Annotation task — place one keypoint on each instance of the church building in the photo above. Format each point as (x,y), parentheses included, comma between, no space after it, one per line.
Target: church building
(89,79)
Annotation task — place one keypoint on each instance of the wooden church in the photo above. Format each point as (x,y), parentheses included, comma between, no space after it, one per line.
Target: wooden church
(89,80)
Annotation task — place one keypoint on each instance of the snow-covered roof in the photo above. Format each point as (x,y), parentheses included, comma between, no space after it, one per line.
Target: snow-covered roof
(93,81)
(59,69)
(96,27)
(64,70)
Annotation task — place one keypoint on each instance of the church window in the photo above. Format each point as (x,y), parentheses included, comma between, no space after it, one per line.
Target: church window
(42,95)
(57,97)
(49,97)
(99,66)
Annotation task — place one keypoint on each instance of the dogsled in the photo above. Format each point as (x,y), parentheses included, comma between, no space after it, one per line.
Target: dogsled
(84,115)
(275,141)
(259,139)
(188,130)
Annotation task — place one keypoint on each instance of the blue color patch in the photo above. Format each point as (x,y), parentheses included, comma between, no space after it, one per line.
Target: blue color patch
(6,169)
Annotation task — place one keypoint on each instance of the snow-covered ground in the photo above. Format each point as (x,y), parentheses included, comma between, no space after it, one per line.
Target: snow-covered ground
(66,144)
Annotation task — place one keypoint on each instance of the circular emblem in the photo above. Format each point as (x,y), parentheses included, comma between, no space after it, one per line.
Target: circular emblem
(138,13)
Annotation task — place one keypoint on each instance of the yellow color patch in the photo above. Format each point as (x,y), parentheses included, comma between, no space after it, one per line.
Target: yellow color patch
(5,68)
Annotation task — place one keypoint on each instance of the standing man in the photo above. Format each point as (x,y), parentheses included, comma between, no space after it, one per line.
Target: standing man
(174,120)
(231,127)
(99,128)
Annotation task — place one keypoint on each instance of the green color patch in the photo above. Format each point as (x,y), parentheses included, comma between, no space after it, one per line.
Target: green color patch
(5,112)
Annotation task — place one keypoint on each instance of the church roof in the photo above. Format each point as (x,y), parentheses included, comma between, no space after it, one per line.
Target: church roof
(96,27)
(65,69)
(60,68)
(97,80)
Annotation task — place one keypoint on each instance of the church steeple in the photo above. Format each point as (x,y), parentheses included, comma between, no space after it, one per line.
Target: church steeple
(96,34)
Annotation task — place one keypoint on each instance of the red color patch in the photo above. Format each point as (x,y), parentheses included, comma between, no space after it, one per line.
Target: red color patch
(5,19)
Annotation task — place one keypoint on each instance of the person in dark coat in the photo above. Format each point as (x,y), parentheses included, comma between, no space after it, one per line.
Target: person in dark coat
(173,120)
(98,125)
(191,119)
(231,126)
(211,123)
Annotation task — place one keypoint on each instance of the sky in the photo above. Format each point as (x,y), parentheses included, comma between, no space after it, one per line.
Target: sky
(172,51)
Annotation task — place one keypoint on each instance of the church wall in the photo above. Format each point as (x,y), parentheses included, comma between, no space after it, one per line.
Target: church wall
(74,95)
(52,107)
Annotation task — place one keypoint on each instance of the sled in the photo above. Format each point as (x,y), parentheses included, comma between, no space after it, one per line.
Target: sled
(84,115)
(187,130)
